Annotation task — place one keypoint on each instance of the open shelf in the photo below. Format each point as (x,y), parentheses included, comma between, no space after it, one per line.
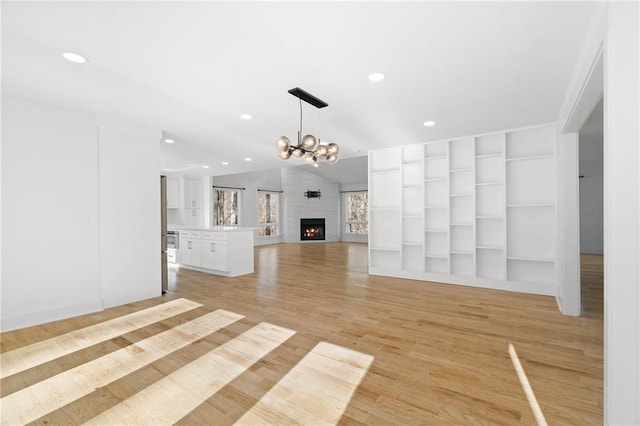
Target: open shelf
(489,183)
(531,259)
(490,155)
(530,205)
(485,247)
(530,157)
(477,210)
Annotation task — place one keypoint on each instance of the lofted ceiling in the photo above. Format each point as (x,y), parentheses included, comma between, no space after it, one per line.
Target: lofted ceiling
(191,69)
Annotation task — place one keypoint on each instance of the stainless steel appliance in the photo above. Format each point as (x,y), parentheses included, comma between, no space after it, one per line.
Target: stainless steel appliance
(173,239)
(173,244)
(163,233)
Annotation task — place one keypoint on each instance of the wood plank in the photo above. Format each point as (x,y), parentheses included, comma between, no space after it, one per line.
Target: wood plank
(315,392)
(37,400)
(38,353)
(168,400)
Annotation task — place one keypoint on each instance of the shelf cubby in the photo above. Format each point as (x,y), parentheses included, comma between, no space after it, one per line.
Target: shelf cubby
(489,169)
(384,160)
(490,233)
(462,264)
(436,265)
(412,201)
(462,239)
(386,259)
(412,154)
(435,149)
(412,175)
(490,263)
(531,233)
(462,210)
(391,220)
(436,218)
(435,168)
(412,257)
(436,193)
(530,270)
(462,183)
(461,152)
(490,145)
(490,200)
(530,142)
(387,193)
(436,244)
(412,229)
(531,181)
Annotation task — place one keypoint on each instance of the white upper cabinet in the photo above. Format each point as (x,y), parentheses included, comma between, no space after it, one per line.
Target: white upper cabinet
(173,192)
(193,193)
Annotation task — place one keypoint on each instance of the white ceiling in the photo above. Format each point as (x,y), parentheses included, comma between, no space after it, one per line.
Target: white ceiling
(191,69)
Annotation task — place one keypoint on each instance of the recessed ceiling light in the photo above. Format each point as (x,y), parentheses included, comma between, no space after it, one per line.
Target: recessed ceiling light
(74,57)
(376,76)
(225,163)
(429,123)
(247,159)
(169,141)
(315,165)
(246,116)
(205,167)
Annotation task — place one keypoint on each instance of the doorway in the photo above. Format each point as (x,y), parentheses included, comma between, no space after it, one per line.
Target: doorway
(591,191)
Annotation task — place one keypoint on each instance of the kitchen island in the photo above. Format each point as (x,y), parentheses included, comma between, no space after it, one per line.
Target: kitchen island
(221,250)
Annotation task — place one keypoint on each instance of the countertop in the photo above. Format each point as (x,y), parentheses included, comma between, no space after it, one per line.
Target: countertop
(214,228)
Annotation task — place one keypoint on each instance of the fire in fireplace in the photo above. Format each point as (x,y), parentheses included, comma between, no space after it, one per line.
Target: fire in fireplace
(311,229)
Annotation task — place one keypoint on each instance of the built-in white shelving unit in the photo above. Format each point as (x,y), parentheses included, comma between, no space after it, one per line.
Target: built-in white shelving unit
(477,210)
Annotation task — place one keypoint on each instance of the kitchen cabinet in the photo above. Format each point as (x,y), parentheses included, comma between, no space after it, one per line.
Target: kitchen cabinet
(193,218)
(226,251)
(193,193)
(214,251)
(173,192)
(190,252)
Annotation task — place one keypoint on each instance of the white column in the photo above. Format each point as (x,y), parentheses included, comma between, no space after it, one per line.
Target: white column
(621,216)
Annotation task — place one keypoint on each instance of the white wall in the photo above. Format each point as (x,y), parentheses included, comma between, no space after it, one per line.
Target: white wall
(129,188)
(70,208)
(622,227)
(616,36)
(295,182)
(591,183)
(50,214)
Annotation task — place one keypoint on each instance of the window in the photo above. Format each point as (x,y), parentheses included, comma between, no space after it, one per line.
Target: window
(225,207)
(268,213)
(356,219)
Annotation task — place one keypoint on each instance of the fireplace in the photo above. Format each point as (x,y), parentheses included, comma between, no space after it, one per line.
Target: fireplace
(311,229)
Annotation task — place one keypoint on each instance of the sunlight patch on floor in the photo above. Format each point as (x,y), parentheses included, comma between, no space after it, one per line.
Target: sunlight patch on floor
(38,353)
(43,397)
(526,387)
(168,400)
(316,391)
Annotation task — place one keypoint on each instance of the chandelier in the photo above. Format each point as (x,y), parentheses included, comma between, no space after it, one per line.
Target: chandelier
(308,147)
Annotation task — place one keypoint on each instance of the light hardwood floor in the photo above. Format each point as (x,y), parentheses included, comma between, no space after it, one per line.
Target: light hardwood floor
(425,353)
